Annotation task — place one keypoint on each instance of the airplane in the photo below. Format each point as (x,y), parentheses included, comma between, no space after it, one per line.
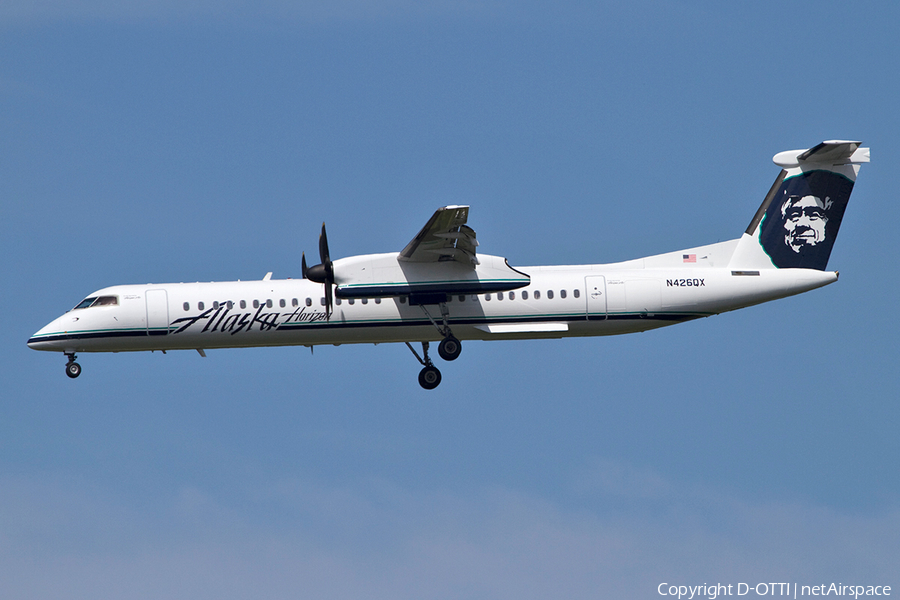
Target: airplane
(438,288)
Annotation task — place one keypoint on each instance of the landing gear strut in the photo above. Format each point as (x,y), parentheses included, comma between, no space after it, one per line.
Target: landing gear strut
(450,347)
(73,369)
(429,376)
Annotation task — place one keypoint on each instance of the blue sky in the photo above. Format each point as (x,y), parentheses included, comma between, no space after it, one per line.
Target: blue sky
(150,141)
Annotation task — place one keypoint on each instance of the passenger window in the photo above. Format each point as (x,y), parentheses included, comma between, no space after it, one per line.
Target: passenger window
(576,292)
(351,301)
(282,303)
(243,304)
(230,305)
(462,298)
(296,302)
(377,300)
(322,301)
(86,302)
(549,294)
(524,294)
(537,294)
(309,301)
(562,293)
(215,304)
(338,301)
(187,306)
(200,306)
(512,295)
(268,303)
(499,295)
(487,296)
(402,299)
(256,304)
(365,300)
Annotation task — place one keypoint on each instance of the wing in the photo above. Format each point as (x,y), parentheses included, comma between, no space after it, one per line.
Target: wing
(445,237)
(440,260)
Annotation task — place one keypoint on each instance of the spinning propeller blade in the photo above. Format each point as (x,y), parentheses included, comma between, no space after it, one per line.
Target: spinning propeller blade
(323,272)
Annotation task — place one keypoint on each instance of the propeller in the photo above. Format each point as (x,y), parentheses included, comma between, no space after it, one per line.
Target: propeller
(323,272)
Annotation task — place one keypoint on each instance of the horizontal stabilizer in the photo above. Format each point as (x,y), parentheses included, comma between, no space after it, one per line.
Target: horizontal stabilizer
(833,152)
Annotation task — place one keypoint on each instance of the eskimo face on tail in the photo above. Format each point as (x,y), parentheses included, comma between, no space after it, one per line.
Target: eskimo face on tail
(802,221)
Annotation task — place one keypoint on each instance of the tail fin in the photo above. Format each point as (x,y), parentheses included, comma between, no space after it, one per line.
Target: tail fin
(797,223)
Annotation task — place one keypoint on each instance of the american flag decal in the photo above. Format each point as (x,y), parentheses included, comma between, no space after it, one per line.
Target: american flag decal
(689,258)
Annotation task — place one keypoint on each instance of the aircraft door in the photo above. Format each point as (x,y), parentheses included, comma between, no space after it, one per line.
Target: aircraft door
(595,288)
(157,312)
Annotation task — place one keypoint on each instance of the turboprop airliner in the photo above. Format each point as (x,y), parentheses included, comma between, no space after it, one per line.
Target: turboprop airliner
(440,289)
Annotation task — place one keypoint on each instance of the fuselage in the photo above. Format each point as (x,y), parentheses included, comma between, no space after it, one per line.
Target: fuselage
(560,301)
(440,287)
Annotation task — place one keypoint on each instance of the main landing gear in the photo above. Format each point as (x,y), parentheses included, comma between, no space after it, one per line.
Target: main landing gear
(73,369)
(449,349)
(429,376)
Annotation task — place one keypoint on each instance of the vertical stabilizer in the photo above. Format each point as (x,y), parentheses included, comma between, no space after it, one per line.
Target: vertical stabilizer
(798,221)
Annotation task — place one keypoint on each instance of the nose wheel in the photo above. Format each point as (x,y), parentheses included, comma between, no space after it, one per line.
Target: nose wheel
(73,369)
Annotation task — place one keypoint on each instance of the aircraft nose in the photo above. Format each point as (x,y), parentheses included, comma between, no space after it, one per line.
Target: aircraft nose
(37,341)
(43,337)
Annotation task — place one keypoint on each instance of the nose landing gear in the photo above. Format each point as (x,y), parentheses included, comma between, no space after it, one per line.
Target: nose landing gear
(73,369)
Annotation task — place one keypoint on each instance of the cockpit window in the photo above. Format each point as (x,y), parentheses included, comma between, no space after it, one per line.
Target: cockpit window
(86,302)
(98,301)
